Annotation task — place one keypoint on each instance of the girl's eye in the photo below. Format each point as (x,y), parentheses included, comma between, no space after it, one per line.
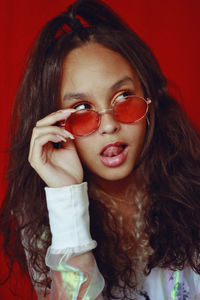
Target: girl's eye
(123,95)
(80,106)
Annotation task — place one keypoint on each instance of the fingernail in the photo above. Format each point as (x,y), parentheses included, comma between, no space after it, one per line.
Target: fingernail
(67,134)
(69,110)
(62,138)
(71,136)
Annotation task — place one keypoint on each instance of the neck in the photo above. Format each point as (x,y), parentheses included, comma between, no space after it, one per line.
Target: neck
(118,197)
(118,189)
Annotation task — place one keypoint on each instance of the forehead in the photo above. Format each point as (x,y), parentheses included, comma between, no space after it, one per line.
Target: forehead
(94,66)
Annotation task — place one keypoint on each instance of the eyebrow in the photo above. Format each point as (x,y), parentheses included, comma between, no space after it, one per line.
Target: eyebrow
(113,88)
(121,82)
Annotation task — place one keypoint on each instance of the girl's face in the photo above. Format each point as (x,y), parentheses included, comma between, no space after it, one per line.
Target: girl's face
(93,76)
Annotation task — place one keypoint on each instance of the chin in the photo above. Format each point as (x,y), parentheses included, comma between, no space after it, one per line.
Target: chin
(114,174)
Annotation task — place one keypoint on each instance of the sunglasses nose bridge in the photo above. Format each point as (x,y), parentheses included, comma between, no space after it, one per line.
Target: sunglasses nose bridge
(110,124)
(105,111)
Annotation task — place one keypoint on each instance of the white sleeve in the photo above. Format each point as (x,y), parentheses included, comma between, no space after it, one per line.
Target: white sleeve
(74,271)
(69,216)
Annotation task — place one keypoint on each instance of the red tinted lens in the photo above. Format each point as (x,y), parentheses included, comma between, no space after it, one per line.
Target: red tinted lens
(130,109)
(82,122)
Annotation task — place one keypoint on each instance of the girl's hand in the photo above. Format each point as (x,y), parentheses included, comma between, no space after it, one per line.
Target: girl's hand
(57,167)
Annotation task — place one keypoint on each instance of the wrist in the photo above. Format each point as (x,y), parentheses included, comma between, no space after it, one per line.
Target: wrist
(61,183)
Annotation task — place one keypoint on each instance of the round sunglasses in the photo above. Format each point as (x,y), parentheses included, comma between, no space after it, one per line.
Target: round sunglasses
(128,110)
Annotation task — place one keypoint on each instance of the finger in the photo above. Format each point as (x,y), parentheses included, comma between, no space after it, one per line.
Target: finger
(41,131)
(37,131)
(53,130)
(37,149)
(69,144)
(55,117)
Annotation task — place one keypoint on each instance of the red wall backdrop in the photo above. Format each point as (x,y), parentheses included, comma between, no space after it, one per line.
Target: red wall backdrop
(171,28)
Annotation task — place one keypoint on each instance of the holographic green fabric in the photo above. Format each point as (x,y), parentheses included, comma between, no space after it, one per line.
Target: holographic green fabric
(175,290)
(70,282)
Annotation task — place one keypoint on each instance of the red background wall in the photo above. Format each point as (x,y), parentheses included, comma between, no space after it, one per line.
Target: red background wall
(170,27)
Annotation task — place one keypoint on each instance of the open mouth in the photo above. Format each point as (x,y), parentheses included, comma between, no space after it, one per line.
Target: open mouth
(113,150)
(114,154)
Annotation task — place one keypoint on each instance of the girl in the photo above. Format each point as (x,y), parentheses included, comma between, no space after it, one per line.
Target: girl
(93,117)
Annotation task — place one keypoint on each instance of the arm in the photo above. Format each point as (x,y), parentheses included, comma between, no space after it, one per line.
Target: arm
(74,272)
(73,268)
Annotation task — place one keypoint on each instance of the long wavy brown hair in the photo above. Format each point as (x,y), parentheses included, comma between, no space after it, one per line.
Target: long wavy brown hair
(166,228)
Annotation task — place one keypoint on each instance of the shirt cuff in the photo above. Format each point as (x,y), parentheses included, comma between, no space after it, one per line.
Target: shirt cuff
(69,216)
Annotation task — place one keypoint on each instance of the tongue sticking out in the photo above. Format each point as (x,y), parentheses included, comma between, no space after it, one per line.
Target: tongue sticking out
(113,151)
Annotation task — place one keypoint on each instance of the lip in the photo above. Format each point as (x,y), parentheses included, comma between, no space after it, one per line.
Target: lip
(113,144)
(116,160)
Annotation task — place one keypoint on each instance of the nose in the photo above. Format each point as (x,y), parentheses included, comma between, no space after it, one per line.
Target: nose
(108,124)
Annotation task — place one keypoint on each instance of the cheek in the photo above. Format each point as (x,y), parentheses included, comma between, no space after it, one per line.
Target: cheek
(137,140)
(85,148)
(137,132)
